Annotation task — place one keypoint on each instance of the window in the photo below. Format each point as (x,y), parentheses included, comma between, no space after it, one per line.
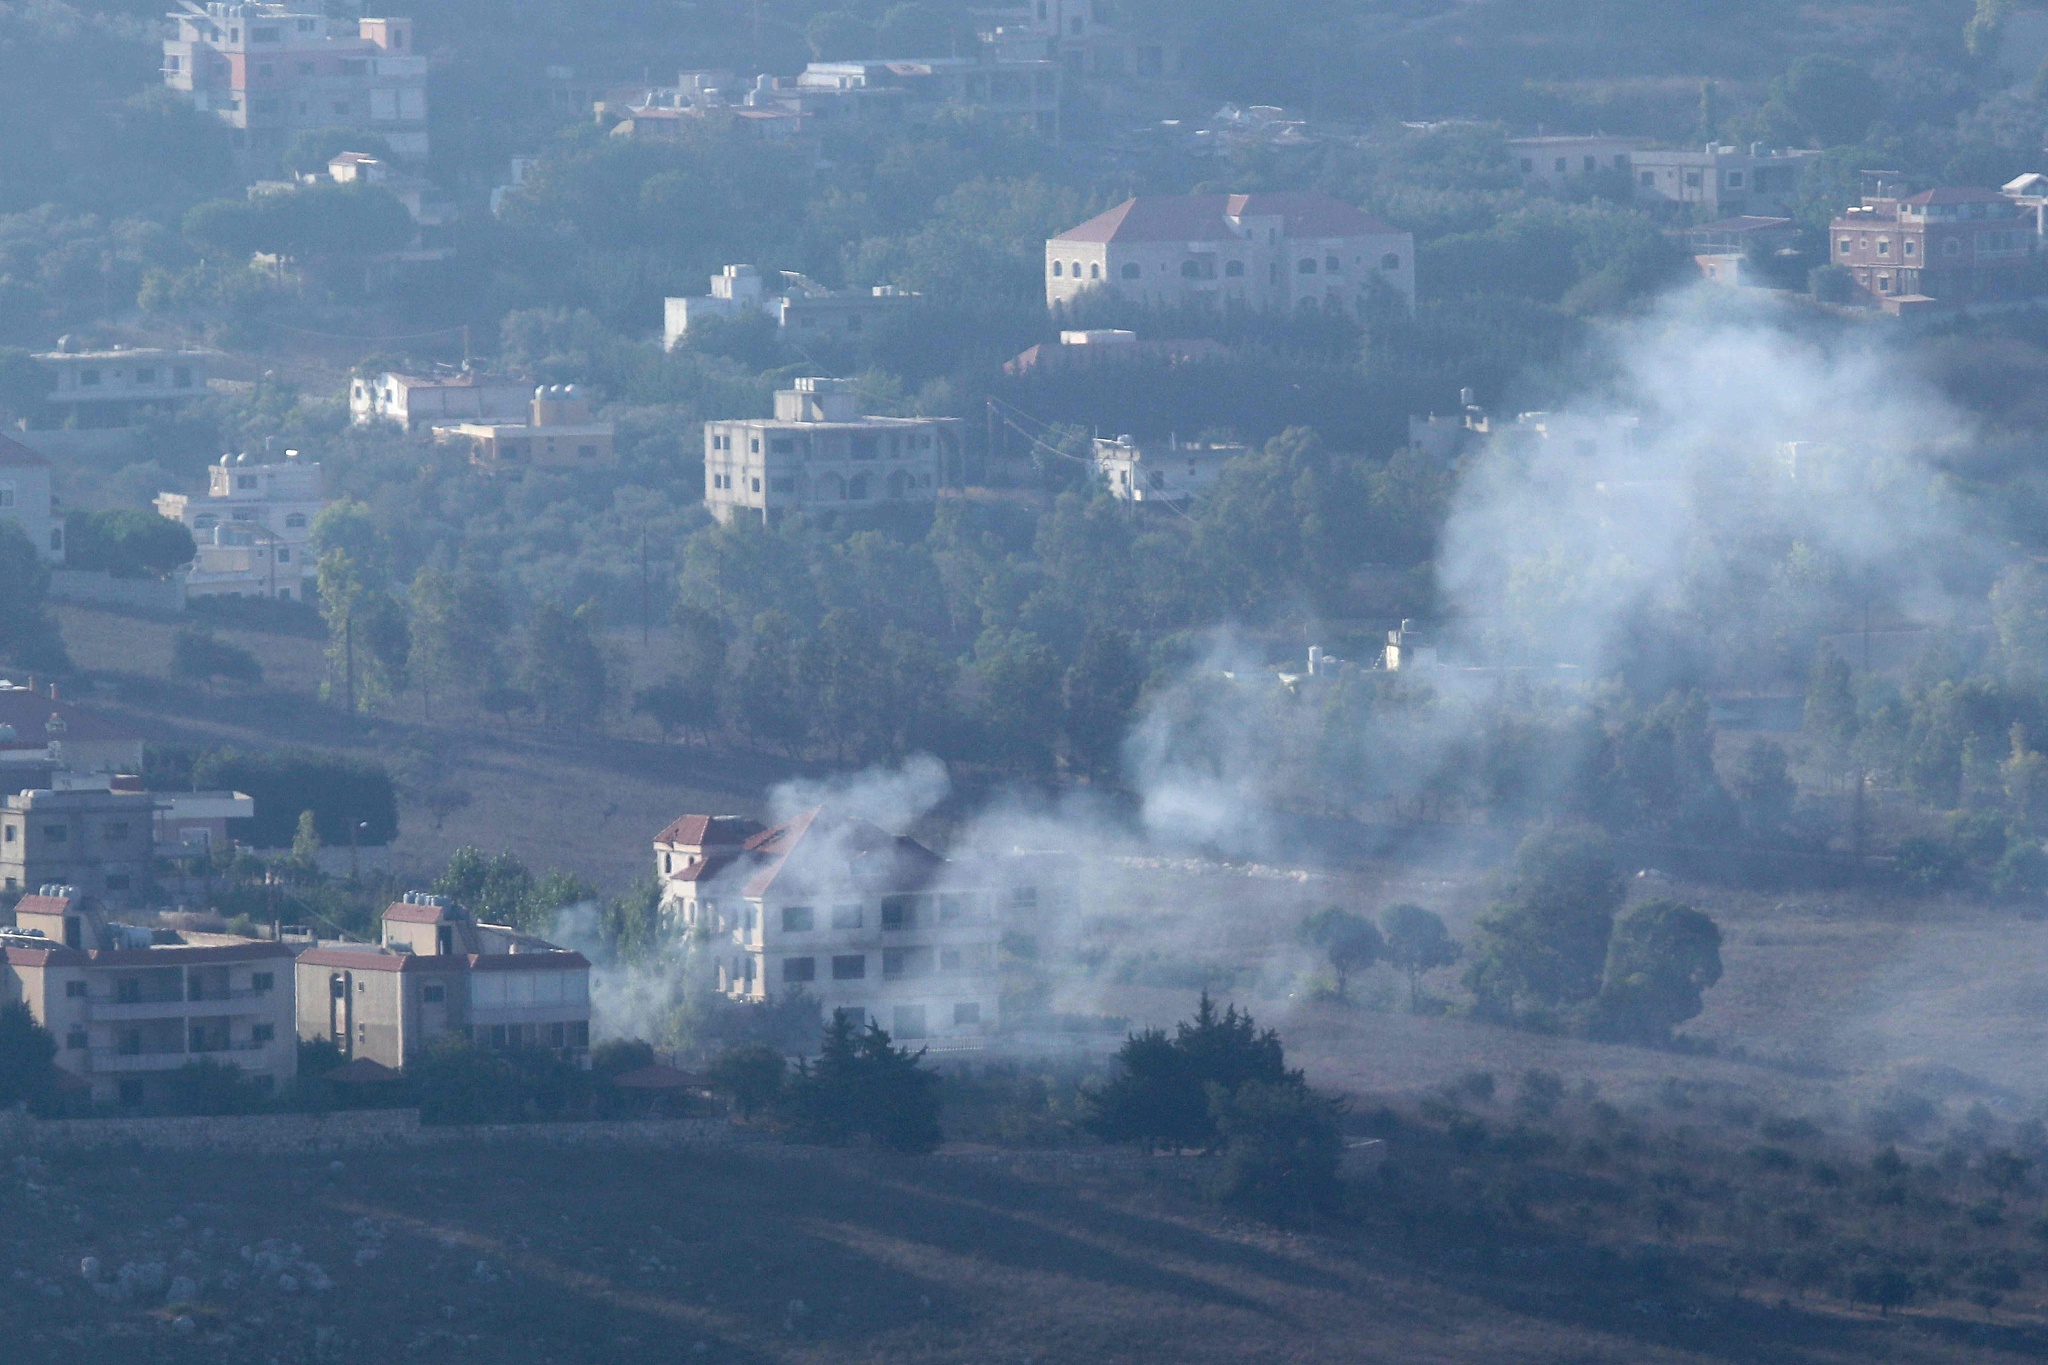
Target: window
(953,909)
(579,1033)
(846,917)
(1307,266)
(898,912)
(1649,179)
(1592,164)
(796,970)
(1692,180)
(117,831)
(146,375)
(262,1033)
(1884,248)
(898,963)
(1024,897)
(1059,269)
(181,377)
(1844,245)
(434,993)
(1094,270)
(798,919)
(284,554)
(1391,261)
(969,1013)
(949,959)
(558,1035)
(757,485)
(1559,165)
(262,981)
(10,834)
(74,990)
(1191,270)
(910,1021)
(1235,270)
(1528,165)
(586,452)
(850,967)
(1735,180)
(1332,266)
(1131,271)
(89,378)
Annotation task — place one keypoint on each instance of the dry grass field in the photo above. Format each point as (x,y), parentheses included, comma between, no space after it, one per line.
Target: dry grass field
(517,1255)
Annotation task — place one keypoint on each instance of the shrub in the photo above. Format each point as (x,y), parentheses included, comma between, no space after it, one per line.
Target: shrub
(210,1087)
(342,793)
(754,1074)
(28,1056)
(862,1088)
(202,656)
(1281,1145)
(1160,1094)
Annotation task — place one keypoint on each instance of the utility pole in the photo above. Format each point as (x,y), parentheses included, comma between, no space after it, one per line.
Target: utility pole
(643,586)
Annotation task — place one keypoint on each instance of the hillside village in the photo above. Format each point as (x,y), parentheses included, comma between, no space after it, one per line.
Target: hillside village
(841,596)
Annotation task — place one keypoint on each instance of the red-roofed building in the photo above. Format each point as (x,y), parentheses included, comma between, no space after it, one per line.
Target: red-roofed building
(867,922)
(1955,245)
(438,971)
(128,1008)
(1263,251)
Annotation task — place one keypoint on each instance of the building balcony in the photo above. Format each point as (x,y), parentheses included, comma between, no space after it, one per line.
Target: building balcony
(110,1061)
(105,1009)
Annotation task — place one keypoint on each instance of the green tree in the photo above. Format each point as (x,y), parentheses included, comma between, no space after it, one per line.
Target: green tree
(1829,98)
(312,149)
(565,671)
(1101,694)
(306,843)
(384,648)
(202,656)
(1160,1092)
(862,1087)
(1761,783)
(754,1074)
(1547,941)
(28,1058)
(1346,939)
(457,622)
(1020,685)
(1663,957)
(1417,942)
(1281,1146)
(763,694)
(1831,723)
(24,384)
(126,543)
(494,888)
(2026,781)
(2019,609)
(341,592)
(28,630)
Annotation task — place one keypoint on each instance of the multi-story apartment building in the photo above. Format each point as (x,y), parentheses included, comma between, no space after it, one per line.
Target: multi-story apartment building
(1022,91)
(559,433)
(437,972)
(819,453)
(117,388)
(25,499)
(414,400)
(271,72)
(127,1007)
(1950,245)
(254,527)
(102,842)
(1556,163)
(868,923)
(1153,471)
(1723,181)
(1259,251)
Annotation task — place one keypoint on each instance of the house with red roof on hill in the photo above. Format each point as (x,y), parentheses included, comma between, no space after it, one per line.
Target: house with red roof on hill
(1269,252)
(869,923)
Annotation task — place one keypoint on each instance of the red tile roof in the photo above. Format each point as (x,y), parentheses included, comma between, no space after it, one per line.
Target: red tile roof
(15,455)
(1203,218)
(717,831)
(30,712)
(40,904)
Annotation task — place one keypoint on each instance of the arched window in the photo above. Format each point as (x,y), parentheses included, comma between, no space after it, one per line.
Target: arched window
(857,488)
(1059,267)
(1307,266)
(1235,269)
(832,488)
(1094,271)
(899,484)
(1131,271)
(1391,261)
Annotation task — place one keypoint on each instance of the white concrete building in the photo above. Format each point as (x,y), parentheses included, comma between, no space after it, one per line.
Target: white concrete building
(254,527)
(819,453)
(26,501)
(559,433)
(803,310)
(414,400)
(1554,163)
(867,923)
(1169,472)
(1259,251)
(114,388)
(1723,181)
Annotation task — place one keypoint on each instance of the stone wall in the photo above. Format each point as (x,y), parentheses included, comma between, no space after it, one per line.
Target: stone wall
(348,1130)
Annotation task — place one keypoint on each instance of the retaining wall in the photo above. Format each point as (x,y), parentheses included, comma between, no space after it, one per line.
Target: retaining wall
(349,1130)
